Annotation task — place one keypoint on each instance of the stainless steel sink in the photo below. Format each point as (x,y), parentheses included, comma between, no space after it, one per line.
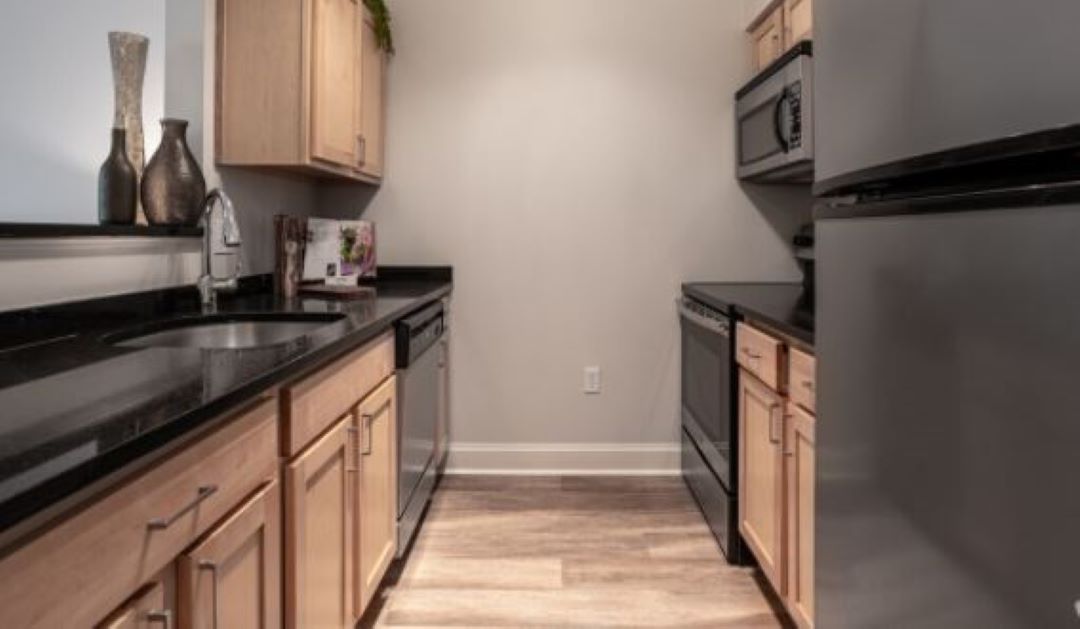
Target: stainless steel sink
(226,331)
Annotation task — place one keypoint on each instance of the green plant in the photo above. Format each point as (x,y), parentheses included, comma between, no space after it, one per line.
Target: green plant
(381,15)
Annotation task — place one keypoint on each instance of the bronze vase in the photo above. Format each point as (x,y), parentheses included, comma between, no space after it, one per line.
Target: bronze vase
(173,187)
(117,184)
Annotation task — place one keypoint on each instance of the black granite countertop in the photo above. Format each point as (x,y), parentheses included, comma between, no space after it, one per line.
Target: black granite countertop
(785,306)
(76,407)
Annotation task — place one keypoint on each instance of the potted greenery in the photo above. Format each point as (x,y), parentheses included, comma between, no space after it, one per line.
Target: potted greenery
(381,16)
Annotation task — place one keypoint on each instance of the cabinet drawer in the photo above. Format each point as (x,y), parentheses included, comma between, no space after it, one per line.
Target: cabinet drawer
(802,382)
(311,405)
(75,573)
(760,354)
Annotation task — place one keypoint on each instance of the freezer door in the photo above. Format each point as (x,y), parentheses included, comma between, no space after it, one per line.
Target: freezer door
(947,485)
(895,79)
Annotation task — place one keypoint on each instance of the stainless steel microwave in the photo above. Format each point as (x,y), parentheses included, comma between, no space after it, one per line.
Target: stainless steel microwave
(774,121)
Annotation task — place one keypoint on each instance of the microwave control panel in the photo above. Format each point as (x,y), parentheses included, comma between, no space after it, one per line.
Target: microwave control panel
(794,98)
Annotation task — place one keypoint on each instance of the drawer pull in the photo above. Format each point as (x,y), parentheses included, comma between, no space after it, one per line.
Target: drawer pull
(808,384)
(749,352)
(203,493)
(164,617)
(211,567)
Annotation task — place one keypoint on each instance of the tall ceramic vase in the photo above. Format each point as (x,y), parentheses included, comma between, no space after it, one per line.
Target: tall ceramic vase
(173,188)
(128,54)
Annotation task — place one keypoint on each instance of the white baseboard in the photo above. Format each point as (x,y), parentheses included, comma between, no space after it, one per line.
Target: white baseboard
(562,459)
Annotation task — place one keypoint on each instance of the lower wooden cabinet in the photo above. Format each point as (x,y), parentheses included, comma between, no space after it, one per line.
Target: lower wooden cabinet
(800,466)
(376,500)
(761,475)
(146,610)
(319,507)
(232,577)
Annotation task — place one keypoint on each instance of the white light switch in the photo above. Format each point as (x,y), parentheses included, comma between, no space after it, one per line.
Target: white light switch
(592,380)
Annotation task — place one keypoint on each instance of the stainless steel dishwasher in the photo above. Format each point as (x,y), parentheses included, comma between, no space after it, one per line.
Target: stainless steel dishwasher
(419,369)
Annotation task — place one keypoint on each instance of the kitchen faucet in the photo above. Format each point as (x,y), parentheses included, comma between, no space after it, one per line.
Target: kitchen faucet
(209,286)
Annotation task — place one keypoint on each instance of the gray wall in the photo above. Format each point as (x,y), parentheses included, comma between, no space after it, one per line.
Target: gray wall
(573,160)
(57,105)
(34,272)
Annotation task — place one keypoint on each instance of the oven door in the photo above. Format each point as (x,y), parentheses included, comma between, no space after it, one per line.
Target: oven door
(707,387)
(774,126)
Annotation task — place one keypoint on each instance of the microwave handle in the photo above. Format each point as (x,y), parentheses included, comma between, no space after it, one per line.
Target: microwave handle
(778,121)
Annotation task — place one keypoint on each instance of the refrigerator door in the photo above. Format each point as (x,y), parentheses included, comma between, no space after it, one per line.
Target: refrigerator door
(897,79)
(948,348)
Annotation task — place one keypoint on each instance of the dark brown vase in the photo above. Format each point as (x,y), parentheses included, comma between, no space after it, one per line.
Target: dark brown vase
(173,188)
(117,184)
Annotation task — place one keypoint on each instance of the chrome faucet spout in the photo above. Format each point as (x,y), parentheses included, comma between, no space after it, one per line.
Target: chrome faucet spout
(209,285)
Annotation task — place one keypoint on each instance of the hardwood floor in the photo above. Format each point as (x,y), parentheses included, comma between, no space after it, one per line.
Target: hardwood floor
(567,552)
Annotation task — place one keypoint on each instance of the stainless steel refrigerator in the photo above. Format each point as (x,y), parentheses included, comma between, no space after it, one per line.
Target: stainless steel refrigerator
(948,322)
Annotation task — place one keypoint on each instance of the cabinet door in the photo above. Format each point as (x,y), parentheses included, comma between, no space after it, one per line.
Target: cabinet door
(767,39)
(761,475)
(145,610)
(318,532)
(377,492)
(335,78)
(372,104)
(799,455)
(798,21)
(232,578)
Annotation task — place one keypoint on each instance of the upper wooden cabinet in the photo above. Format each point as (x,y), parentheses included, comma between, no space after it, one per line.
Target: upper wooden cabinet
(779,26)
(300,86)
(798,21)
(767,37)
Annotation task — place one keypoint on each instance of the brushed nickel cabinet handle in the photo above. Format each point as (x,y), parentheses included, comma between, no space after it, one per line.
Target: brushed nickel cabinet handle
(772,423)
(808,384)
(368,418)
(361,149)
(203,493)
(751,353)
(211,567)
(163,616)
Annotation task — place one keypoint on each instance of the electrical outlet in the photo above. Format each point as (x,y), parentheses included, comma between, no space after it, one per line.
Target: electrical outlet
(592,380)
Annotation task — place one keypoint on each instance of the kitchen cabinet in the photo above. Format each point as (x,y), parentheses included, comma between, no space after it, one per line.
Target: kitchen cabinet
(799,520)
(372,99)
(761,475)
(146,610)
(335,81)
(319,507)
(767,37)
(780,25)
(798,21)
(340,438)
(777,464)
(300,87)
(232,577)
(105,552)
(376,500)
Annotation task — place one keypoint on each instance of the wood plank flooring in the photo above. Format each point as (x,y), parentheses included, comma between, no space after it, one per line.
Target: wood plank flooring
(567,552)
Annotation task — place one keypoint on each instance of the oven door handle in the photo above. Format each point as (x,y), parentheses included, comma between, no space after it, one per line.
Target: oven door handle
(716,327)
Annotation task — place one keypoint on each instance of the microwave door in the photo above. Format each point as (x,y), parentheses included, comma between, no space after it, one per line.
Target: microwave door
(761,145)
